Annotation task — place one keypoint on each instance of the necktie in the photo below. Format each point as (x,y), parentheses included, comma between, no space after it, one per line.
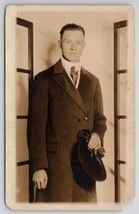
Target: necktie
(74,74)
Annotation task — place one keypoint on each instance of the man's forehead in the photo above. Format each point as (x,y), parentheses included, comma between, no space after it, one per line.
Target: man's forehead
(73,33)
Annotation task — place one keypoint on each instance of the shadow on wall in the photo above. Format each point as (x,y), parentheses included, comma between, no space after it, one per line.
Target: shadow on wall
(46,49)
(53,55)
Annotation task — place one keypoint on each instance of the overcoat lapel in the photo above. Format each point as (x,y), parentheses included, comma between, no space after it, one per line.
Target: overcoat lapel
(62,79)
(84,88)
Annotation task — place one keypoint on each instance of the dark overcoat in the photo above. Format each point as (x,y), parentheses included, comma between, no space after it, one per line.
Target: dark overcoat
(58,111)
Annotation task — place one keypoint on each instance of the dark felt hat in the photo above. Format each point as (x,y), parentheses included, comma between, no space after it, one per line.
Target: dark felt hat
(90,163)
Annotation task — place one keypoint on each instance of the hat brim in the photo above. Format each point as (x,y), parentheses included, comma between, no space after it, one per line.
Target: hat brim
(91,163)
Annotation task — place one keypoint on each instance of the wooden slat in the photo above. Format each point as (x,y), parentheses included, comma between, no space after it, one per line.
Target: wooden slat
(23,163)
(117,25)
(121,162)
(29,71)
(122,71)
(116,168)
(23,22)
(21,70)
(22,117)
(121,117)
(120,24)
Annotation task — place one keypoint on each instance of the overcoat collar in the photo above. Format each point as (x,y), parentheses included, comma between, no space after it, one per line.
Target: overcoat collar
(62,79)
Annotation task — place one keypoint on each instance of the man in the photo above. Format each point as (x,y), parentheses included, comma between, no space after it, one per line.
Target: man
(63,104)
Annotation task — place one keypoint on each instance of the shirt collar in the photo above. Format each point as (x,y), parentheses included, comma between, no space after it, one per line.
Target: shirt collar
(67,65)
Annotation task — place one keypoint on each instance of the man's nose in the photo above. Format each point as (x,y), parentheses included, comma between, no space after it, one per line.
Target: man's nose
(73,46)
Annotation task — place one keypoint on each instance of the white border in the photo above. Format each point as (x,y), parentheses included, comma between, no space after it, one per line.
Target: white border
(134,204)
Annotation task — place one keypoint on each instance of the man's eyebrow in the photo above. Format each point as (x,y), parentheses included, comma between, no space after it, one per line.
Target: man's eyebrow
(66,39)
(76,40)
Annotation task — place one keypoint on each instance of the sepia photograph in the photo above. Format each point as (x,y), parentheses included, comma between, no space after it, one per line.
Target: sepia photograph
(69,107)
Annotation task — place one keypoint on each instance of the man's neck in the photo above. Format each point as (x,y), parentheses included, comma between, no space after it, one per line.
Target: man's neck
(69,62)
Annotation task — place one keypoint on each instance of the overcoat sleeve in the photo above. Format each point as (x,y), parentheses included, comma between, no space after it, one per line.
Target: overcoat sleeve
(37,120)
(99,118)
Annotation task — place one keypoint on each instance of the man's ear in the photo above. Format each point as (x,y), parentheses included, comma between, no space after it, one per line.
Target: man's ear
(84,44)
(59,44)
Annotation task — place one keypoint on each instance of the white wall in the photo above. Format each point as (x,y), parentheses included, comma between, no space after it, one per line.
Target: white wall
(97,58)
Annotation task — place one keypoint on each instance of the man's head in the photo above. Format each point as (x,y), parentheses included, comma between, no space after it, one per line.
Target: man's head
(72,42)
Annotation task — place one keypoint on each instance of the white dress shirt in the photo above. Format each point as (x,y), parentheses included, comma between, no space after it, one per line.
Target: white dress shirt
(67,66)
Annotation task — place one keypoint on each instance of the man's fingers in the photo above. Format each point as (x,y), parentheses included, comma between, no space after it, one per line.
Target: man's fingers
(97,147)
(39,185)
(94,142)
(40,179)
(35,183)
(44,184)
(101,149)
(93,145)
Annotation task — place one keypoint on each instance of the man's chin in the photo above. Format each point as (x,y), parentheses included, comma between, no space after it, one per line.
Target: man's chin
(72,59)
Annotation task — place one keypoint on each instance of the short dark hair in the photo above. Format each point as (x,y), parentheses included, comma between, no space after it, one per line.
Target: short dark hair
(72,27)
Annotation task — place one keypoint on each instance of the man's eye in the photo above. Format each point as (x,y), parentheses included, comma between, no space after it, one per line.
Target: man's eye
(79,42)
(67,42)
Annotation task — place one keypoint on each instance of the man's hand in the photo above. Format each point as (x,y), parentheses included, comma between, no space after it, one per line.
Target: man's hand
(95,142)
(40,179)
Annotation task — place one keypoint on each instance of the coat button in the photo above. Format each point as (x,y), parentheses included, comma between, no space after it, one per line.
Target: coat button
(79,120)
(86,118)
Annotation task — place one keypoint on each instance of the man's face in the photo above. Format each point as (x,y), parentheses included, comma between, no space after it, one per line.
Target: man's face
(72,44)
